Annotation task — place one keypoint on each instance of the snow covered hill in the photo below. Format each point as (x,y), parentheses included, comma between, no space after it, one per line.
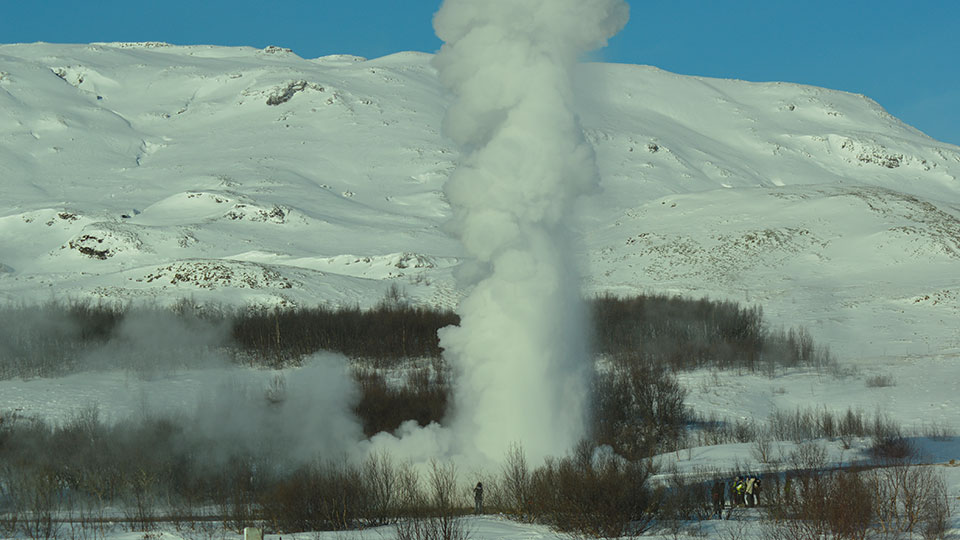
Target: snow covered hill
(144,171)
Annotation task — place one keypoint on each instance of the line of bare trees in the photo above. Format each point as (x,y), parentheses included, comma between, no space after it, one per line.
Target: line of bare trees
(890,498)
(671,331)
(88,474)
(151,469)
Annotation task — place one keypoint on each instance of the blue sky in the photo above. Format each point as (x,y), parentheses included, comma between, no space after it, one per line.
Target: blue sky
(901,54)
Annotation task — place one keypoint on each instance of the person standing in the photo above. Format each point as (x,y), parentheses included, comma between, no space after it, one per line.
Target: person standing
(478,499)
(738,488)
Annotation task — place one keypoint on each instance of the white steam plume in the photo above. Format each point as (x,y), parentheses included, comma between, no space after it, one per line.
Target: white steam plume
(520,352)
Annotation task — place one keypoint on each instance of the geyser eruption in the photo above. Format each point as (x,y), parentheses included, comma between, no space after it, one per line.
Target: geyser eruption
(520,353)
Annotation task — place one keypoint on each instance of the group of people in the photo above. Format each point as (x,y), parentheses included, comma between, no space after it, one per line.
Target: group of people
(744,491)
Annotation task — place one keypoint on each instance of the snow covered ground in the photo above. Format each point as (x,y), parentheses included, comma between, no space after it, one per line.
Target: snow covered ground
(924,392)
(746,525)
(151,172)
(479,528)
(922,395)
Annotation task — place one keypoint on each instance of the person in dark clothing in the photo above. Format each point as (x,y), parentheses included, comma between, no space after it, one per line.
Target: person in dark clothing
(717,496)
(478,499)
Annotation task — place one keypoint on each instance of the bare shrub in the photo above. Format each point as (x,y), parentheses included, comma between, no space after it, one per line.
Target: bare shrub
(762,449)
(47,340)
(381,483)
(850,505)
(827,424)
(744,430)
(430,528)
(516,480)
(935,509)
(891,500)
(670,331)
(142,504)
(938,431)
(889,444)
(808,424)
(910,498)
(237,488)
(880,381)
(794,348)
(383,407)
(37,499)
(324,496)
(683,500)
(443,520)
(891,448)
(594,493)
(883,427)
(809,456)
(291,504)
(411,501)
(802,509)
(639,408)
(444,499)
(9,523)
(392,330)
(8,510)
(679,333)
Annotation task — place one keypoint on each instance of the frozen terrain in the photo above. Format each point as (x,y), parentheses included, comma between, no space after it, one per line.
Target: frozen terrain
(144,171)
(150,172)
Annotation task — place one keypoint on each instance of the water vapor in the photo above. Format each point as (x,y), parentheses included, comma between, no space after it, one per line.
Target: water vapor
(293,416)
(520,356)
(520,353)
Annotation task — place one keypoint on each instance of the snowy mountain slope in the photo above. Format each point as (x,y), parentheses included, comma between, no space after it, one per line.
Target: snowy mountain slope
(149,171)
(869,270)
(712,133)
